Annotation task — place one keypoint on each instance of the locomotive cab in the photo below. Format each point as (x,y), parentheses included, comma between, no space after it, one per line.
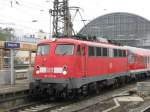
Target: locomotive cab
(59,60)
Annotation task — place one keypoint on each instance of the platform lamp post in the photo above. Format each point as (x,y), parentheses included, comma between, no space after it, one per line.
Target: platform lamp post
(12,67)
(12,61)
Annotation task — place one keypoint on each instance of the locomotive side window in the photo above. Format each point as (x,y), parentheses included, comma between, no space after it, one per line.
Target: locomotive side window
(105,51)
(83,51)
(131,58)
(43,49)
(64,49)
(115,52)
(78,50)
(124,53)
(145,60)
(120,53)
(91,51)
(98,51)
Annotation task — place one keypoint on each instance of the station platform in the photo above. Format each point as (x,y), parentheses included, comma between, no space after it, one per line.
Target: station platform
(21,85)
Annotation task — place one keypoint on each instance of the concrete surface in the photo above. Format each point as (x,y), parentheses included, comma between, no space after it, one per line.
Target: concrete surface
(5,77)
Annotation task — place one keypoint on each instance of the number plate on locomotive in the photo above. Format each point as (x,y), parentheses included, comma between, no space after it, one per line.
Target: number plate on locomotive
(42,69)
(58,69)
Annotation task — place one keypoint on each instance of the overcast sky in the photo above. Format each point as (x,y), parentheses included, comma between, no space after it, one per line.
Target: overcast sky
(22,12)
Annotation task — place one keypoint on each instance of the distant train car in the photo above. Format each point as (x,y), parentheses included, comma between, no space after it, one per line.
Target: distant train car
(138,60)
(71,67)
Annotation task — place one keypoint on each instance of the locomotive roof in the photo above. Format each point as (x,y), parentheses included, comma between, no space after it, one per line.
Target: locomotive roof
(90,43)
(138,51)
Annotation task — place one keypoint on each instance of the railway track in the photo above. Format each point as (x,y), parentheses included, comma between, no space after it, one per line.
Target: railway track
(46,106)
(99,99)
(39,107)
(89,103)
(13,95)
(49,106)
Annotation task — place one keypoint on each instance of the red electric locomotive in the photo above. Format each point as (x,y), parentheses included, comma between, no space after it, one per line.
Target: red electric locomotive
(67,66)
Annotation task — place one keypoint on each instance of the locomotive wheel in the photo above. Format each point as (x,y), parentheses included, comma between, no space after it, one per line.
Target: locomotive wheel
(33,93)
(116,84)
(123,80)
(64,93)
(97,89)
(127,79)
(85,90)
(72,94)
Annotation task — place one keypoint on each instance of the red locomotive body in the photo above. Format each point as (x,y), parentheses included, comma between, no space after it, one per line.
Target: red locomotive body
(75,65)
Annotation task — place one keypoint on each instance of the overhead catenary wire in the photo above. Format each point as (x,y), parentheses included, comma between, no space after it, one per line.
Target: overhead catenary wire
(75,14)
(22,2)
(44,8)
(19,25)
(18,9)
(22,17)
(24,12)
(82,18)
(23,7)
(37,6)
(3,20)
(27,6)
(33,3)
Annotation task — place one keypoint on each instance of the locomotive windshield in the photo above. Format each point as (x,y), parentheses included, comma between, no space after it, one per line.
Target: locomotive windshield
(43,49)
(64,49)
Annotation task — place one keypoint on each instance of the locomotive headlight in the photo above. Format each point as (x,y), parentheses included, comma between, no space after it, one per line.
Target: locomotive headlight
(37,71)
(65,72)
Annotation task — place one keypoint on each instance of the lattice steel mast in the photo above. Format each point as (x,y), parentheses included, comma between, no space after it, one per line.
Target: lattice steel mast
(62,25)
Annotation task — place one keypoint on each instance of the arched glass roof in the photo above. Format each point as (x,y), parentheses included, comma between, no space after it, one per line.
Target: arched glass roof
(123,27)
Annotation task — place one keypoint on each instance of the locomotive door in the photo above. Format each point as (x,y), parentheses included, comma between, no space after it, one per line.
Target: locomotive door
(83,60)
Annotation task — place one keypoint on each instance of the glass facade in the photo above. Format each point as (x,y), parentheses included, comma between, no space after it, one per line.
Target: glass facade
(125,28)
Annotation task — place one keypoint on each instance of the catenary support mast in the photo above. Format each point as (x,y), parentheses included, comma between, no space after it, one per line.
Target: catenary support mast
(62,25)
